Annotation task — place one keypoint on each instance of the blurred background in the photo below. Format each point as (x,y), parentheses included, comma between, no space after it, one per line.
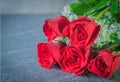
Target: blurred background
(33,6)
(21,23)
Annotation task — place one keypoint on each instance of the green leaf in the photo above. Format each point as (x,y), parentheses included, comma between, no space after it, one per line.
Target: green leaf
(100,5)
(101,13)
(78,8)
(113,76)
(113,7)
(117,52)
(88,1)
(113,36)
(117,16)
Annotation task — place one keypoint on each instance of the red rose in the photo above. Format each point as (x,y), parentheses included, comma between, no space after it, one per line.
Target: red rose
(45,57)
(82,31)
(53,27)
(72,59)
(104,64)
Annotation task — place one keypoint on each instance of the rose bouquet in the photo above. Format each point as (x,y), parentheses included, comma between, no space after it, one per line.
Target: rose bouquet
(74,41)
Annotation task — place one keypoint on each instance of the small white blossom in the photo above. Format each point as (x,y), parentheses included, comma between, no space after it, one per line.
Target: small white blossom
(68,13)
(72,17)
(107,29)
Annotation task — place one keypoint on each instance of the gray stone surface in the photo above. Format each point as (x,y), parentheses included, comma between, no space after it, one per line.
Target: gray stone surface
(20,35)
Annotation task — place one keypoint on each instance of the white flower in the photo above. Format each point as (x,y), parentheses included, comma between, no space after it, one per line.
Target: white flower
(68,13)
(107,29)
(72,17)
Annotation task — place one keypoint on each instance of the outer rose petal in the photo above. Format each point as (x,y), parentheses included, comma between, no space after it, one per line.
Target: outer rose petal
(115,64)
(85,62)
(53,27)
(45,57)
(109,63)
(55,49)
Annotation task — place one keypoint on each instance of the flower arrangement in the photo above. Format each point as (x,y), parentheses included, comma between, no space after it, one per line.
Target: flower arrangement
(84,38)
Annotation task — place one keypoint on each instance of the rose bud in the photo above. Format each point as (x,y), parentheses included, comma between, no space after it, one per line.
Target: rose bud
(45,57)
(104,64)
(53,27)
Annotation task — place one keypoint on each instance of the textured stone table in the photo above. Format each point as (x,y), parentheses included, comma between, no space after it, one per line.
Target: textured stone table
(20,35)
